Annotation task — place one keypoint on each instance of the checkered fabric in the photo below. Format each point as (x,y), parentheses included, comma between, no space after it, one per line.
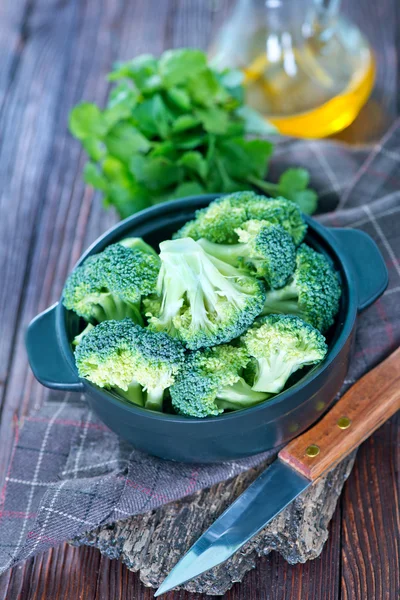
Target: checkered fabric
(69,473)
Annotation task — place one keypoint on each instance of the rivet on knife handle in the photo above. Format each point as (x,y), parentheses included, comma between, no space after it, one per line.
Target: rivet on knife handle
(366,406)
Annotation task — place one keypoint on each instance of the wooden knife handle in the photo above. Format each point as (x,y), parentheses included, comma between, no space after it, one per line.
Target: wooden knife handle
(362,409)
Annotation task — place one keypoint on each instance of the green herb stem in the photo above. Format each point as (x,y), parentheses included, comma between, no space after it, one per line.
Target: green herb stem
(271,188)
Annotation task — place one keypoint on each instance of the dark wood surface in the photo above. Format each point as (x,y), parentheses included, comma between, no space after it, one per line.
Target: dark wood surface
(55,53)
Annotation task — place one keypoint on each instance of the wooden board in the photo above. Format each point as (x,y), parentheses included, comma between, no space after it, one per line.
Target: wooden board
(152,543)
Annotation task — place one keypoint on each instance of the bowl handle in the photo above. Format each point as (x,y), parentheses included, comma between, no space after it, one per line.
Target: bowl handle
(367,264)
(47,361)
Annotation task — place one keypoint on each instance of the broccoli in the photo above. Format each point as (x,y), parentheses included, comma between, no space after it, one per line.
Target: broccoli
(139,363)
(136,243)
(218,221)
(78,338)
(313,293)
(279,211)
(280,345)
(203,301)
(211,381)
(265,250)
(111,284)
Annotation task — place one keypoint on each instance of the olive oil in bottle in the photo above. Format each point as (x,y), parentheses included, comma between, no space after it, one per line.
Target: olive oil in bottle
(308,70)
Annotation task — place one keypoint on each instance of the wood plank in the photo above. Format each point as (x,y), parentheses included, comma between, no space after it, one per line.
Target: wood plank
(371,519)
(58,574)
(275,579)
(116,581)
(40,239)
(27,123)
(13,35)
(50,199)
(75,573)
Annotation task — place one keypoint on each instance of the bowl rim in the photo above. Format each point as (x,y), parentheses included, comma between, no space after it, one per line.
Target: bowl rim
(173,206)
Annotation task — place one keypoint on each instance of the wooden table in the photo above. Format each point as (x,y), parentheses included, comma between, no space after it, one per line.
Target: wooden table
(53,54)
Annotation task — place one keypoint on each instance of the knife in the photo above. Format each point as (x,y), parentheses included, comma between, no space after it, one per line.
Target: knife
(360,411)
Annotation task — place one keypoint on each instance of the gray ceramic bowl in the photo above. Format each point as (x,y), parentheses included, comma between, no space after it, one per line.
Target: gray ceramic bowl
(234,435)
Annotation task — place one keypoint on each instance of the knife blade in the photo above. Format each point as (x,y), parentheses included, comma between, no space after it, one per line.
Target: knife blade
(360,411)
(239,523)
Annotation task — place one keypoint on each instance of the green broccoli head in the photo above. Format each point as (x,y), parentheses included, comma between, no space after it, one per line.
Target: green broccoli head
(139,363)
(211,381)
(313,292)
(131,273)
(279,346)
(279,211)
(264,250)
(110,285)
(204,301)
(219,221)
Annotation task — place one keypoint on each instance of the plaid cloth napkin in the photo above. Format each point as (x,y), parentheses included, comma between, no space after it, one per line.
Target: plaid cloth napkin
(70,474)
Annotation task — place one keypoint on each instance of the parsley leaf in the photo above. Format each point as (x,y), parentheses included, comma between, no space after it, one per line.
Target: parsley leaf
(174,126)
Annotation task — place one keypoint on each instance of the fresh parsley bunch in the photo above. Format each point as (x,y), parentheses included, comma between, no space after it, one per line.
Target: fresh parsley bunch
(175,127)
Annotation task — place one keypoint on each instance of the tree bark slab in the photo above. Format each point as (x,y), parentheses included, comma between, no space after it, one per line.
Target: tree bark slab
(152,543)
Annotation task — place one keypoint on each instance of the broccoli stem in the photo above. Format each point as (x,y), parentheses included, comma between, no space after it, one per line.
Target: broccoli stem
(78,338)
(154,399)
(283,301)
(271,188)
(137,243)
(272,373)
(135,314)
(204,300)
(239,395)
(98,313)
(229,253)
(173,291)
(115,308)
(201,280)
(134,393)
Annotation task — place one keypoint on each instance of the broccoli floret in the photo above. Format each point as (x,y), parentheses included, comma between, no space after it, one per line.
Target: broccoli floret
(111,284)
(265,250)
(218,221)
(203,301)
(280,345)
(313,293)
(131,273)
(279,211)
(139,363)
(211,381)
